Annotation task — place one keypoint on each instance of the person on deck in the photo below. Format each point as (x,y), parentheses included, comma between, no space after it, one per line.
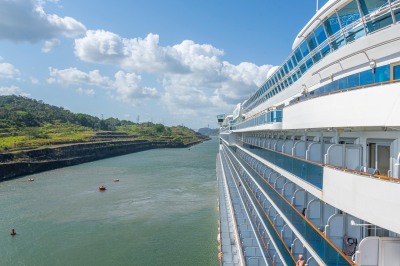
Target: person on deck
(301,261)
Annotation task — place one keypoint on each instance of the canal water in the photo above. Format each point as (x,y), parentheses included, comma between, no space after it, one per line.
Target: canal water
(163,211)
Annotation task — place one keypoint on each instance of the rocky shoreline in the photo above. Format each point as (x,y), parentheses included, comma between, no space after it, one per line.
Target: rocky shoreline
(17,164)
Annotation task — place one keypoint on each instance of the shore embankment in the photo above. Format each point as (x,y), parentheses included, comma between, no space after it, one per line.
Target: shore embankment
(20,163)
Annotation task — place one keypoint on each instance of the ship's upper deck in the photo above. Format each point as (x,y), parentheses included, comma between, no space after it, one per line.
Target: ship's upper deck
(337,24)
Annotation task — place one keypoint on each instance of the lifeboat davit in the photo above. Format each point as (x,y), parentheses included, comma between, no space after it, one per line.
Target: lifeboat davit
(102,188)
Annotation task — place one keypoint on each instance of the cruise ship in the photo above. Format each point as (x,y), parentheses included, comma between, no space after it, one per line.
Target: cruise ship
(309,165)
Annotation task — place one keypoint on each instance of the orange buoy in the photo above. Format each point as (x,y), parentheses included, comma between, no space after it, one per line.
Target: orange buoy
(13,233)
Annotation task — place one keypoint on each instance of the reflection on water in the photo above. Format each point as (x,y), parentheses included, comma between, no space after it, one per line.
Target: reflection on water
(163,211)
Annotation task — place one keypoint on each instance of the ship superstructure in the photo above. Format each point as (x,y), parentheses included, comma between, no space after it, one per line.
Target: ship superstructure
(310,163)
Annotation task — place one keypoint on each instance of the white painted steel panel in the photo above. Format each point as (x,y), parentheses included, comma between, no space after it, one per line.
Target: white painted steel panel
(371,199)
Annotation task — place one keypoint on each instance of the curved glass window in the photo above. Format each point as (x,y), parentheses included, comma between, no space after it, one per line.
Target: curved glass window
(348,15)
(290,65)
(312,43)
(298,55)
(298,73)
(303,68)
(316,57)
(282,73)
(369,6)
(294,61)
(325,50)
(320,34)
(286,83)
(309,63)
(332,25)
(294,77)
(338,42)
(304,48)
(285,68)
(397,14)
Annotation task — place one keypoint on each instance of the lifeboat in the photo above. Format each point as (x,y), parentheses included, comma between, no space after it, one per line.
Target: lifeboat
(102,188)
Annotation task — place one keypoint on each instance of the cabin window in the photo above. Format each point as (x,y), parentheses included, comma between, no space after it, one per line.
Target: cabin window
(304,48)
(294,61)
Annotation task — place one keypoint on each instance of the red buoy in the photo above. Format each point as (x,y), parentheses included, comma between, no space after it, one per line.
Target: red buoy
(13,233)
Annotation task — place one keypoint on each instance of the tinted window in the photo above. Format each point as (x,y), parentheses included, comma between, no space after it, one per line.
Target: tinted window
(309,63)
(349,14)
(320,34)
(294,60)
(397,14)
(316,57)
(303,68)
(325,50)
(369,6)
(294,77)
(312,43)
(332,25)
(298,55)
(290,65)
(304,48)
(285,68)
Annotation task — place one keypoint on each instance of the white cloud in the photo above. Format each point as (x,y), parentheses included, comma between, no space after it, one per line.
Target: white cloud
(7,70)
(26,20)
(88,92)
(34,81)
(50,45)
(194,75)
(125,87)
(12,90)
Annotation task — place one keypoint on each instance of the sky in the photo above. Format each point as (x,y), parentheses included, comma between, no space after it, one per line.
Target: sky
(176,62)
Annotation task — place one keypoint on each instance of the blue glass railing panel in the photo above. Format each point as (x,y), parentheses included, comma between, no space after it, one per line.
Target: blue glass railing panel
(309,172)
(324,248)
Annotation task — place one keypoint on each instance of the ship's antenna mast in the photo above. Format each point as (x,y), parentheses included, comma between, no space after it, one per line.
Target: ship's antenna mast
(317,6)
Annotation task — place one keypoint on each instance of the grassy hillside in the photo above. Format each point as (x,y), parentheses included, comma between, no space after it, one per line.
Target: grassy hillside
(26,123)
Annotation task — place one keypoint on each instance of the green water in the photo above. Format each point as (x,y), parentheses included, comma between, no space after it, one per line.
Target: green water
(162,212)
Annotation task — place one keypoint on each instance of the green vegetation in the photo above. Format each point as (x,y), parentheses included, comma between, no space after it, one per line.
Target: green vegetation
(26,124)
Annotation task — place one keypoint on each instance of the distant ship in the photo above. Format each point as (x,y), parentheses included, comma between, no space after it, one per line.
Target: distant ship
(310,163)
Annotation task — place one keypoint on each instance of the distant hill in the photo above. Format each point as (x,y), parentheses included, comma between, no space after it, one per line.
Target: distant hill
(209,131)
(27,123)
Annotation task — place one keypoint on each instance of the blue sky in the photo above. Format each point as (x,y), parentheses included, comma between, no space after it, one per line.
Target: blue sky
(173,62)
